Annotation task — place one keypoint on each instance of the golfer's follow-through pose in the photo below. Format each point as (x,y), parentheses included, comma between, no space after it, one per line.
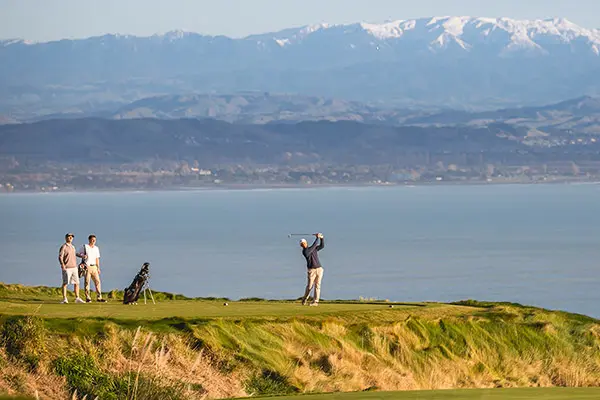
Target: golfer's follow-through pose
(315,270)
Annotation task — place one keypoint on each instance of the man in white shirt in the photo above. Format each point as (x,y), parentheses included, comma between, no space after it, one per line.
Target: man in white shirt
(90,253)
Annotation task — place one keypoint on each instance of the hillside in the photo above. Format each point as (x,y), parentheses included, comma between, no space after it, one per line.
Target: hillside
(211,142)
(199,348)
(149,153)
(504,135)
(580,116)
(260,108)
(454,62)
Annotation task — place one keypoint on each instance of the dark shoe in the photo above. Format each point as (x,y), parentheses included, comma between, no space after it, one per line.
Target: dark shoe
(101,301)
(88,300)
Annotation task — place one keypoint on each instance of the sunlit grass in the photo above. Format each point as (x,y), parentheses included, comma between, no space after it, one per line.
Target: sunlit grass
(281,347)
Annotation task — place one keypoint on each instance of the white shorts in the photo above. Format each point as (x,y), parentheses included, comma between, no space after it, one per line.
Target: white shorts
(70,276)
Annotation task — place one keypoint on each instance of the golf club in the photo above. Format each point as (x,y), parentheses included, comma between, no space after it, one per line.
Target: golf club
(300,234)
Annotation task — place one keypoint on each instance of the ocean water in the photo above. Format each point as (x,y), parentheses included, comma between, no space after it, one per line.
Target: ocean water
(532,244)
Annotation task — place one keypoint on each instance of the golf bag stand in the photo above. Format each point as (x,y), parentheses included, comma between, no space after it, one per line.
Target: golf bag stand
(140,283)
(147,288)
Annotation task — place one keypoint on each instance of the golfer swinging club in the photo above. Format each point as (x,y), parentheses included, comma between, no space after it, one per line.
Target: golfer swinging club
(315,270)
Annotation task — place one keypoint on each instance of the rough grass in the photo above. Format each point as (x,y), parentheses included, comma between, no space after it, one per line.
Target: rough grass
(464,394)
(200,348)
(23,338)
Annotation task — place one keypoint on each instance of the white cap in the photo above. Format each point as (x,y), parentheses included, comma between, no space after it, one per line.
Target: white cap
(302,241)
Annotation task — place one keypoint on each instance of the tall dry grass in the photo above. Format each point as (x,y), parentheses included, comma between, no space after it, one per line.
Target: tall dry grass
(506,347)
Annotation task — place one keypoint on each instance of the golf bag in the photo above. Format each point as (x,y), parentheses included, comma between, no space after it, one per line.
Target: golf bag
(132,293)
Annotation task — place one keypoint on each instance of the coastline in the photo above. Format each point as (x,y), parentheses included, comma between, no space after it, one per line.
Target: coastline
(278,186)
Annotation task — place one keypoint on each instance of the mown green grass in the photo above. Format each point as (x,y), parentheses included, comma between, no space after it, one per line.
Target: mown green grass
(173,310)
(465,394)
(178,315)
(184,309)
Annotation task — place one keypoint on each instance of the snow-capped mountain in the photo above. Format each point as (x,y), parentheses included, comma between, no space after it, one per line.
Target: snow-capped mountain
(503,35)
(451,61)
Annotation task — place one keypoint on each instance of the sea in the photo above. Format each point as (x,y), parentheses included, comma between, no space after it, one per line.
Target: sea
(531,244)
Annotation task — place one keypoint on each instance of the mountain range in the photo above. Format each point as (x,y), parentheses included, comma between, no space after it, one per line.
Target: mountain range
(102,141)
(580,115)
(452,62)
(55,143)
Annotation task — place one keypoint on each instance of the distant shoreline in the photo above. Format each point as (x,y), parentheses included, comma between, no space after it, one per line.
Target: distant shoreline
(276,186)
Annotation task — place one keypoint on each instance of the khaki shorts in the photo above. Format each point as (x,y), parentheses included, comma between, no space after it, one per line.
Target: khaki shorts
(70,276)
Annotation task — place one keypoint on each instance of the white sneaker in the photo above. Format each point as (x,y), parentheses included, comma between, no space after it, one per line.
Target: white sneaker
(78,300)
(65,301)
(314,304)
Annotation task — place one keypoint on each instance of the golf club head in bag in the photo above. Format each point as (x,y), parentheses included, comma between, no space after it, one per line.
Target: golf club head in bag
(132,293)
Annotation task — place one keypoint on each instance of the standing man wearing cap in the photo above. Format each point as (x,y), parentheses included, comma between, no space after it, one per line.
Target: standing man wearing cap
(315,269)
(90,253)
(68,265)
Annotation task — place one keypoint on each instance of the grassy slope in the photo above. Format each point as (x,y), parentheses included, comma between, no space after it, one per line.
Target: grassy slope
(254,347)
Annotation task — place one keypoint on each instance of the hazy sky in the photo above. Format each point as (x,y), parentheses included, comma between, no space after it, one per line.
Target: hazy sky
(43,20)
